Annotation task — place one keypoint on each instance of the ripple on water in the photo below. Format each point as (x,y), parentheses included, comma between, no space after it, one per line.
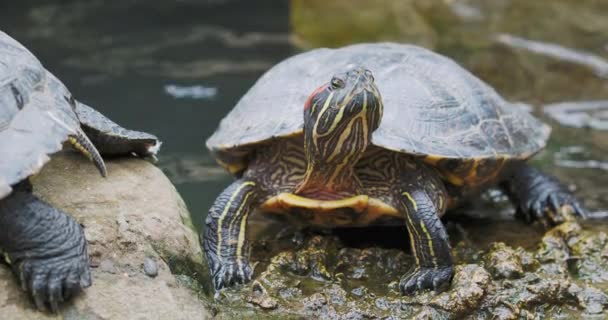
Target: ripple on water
(580,114)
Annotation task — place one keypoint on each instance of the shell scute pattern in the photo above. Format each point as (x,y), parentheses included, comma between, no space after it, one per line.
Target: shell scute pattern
(90,117)
(432,106)
(36,114)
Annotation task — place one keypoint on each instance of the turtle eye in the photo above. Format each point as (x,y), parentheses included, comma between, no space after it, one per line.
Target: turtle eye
(337,83)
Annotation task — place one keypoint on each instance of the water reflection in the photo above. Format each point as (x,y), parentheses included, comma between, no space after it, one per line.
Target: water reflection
(192,92)
(580,114)
(577,157)
(593,62)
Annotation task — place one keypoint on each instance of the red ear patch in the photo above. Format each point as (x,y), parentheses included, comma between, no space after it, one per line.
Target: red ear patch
(313,94)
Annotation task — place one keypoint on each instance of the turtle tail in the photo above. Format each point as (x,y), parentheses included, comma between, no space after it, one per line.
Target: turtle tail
(81,142)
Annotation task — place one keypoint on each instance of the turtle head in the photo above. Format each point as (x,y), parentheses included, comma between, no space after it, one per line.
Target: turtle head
(342,114)
(339,119)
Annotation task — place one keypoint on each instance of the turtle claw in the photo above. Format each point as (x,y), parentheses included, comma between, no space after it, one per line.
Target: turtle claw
(229,274)
(541,197)
(46,249)
(436,279)
(49,283)
(580,210)
(554,208)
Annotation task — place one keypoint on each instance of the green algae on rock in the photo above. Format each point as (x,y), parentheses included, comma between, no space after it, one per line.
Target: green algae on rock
(563,277)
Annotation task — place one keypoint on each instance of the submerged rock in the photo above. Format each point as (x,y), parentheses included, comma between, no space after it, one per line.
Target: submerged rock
(326,277)
(133,215)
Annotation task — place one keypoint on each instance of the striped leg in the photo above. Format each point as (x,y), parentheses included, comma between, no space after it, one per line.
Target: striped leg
(423,201)
(225,239)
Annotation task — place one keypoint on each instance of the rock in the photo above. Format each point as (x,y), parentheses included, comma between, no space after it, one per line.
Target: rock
(504,262)
(260,297)
(150,267)
(361,282)
(592,300)
(107,266)
(469,286)
(383,20)
(134,214)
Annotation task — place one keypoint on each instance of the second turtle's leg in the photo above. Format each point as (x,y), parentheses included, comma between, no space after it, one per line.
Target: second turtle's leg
(423,200)
(225,237)
(538,196)
(45,247)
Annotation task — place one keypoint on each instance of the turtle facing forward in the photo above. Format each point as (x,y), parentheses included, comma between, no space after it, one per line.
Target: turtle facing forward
(394,133)
(45,247)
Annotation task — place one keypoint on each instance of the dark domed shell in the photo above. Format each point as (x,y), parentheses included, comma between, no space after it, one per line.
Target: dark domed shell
(432,106)
(36,114)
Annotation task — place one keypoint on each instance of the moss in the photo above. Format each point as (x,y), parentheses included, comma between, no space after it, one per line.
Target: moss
(322,277)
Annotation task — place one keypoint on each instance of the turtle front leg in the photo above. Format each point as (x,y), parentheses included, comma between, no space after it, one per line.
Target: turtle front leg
(45,248)
(225,237)
(423,200)
(538,196)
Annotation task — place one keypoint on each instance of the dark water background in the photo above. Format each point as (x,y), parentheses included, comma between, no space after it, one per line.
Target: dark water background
(122,56)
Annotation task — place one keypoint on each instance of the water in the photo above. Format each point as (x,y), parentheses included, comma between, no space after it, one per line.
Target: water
(175,68)
(121,56)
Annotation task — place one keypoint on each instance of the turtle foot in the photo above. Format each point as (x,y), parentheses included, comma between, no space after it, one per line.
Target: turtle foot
(541,197)
(553,208)
(435,278)
(228,274)
(52,281)
(46,249)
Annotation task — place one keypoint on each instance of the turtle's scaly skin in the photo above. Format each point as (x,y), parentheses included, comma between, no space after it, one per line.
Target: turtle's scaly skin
(49,256)
(46,247)
(403,147)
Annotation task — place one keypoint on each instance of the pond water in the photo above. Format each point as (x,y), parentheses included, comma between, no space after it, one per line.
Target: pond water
(174,68)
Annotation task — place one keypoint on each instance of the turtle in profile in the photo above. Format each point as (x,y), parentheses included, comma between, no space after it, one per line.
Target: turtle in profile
(392,133)
(45,247)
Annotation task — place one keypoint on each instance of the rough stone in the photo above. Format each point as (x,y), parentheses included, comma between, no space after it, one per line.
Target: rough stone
(150,267)
(504,262)
(361,282)
(133,214)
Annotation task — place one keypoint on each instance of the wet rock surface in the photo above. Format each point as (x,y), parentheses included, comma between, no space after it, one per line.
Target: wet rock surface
(561,273)
(134,215)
